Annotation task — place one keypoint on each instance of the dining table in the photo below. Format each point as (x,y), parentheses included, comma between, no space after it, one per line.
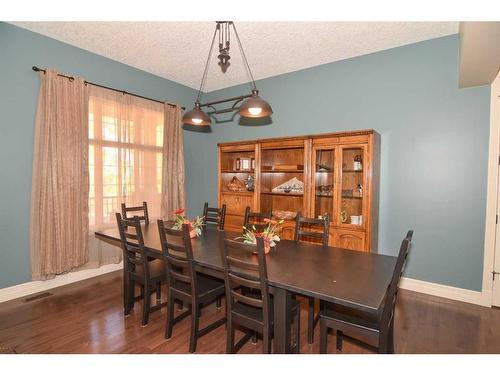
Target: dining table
(346,277)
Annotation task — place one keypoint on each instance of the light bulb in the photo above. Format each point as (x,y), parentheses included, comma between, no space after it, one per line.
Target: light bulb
(255,111)
(197,120)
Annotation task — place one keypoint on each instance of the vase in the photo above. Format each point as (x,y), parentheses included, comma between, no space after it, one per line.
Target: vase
(267,248)
(192,233)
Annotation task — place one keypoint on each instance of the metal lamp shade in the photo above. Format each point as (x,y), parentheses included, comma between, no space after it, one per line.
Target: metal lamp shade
(196,117)
(255,107)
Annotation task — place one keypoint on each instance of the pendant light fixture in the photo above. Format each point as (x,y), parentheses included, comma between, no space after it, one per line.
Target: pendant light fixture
(253,105)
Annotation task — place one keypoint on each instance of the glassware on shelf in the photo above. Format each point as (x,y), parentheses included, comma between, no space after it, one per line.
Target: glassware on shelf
(352,180)
(324,182)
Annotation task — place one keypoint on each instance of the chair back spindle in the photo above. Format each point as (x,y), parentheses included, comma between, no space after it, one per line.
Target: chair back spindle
(243,269)
(144,208)
(304,228)
(213,215)
(386,313)
(132,243)
(255,219)
(178,255)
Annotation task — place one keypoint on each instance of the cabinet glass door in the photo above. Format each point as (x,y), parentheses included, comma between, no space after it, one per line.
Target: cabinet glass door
(352,183)
(324,182)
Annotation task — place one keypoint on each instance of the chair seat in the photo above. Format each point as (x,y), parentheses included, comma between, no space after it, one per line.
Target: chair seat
(157,269)
(349,316)
(250,312)
(206,285)
(256,313)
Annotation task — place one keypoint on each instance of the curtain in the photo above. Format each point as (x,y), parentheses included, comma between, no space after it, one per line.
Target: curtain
(125,158)
(173,161)
(60,180)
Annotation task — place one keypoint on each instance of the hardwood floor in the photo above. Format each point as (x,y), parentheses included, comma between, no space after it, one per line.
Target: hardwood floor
(87,317)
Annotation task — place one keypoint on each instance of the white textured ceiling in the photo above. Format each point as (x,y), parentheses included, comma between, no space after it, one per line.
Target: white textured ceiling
(178,50)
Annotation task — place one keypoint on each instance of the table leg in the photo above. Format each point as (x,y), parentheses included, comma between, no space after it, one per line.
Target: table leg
(124,291)
(282,305)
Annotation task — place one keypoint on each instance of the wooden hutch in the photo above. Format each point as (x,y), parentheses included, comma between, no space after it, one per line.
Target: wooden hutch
(340,176)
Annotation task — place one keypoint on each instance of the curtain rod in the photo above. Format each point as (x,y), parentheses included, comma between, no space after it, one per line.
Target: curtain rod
(37,69)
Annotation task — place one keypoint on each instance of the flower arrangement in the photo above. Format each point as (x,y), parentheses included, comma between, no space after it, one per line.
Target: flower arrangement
(194,225)
(269,234)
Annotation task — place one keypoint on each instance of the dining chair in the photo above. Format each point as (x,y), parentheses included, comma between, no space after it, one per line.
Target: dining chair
(213,215)
(186,284)
(149,274)
(312,229)
(255,219)
(374,331)
(251,311)
(143,208)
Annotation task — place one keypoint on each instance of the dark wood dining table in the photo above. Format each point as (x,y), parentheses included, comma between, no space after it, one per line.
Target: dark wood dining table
(351,278)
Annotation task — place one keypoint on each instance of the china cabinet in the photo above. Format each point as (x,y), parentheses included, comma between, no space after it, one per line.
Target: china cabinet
(335,174)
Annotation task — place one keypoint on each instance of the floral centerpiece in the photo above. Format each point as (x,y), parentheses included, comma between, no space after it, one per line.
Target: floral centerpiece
(268,234)
(194,225)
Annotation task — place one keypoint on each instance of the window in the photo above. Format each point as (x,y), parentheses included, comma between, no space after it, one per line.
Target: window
(125,154)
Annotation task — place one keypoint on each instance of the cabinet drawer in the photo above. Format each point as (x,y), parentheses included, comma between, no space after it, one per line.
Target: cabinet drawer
(233,223)
(236,204)
(348,239)
(287,231)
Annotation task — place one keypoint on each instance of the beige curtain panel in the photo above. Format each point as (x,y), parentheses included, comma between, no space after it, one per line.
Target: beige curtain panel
(60,180)
(173,162)
(126,156)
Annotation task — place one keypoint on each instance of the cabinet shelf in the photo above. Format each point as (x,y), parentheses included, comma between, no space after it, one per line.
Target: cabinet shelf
(350,197)
(228,192)
(236,171)
(282,171)
(282,194)
(352,171)
(324,196)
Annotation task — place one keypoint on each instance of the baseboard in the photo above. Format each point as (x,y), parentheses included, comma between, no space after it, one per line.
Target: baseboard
(445,291)
(433,289)
(32,287)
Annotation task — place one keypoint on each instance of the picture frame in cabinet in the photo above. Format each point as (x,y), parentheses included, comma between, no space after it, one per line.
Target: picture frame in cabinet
(245,164)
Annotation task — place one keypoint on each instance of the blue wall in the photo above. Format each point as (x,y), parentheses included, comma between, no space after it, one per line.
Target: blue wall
(434,147)
(19,51)
(434,141)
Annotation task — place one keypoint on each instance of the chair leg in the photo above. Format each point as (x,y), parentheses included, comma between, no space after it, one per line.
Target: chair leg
(194,327)
(340,340)
(125,291)
(158,293)
(310,321)
(129,296)
(254,337)
(146,304)
(382,346)
(230,336)
(180,305)
(266,342)
(323,336)
(390,338)
(383,342)
(170,316)
(297,331)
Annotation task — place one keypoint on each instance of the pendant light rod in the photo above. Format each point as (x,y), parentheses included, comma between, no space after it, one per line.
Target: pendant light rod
(244,56)
(202,84)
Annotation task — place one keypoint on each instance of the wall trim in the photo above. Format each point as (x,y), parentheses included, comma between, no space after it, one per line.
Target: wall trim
(33,287)
(426,287)
(446,291)
(490,231)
